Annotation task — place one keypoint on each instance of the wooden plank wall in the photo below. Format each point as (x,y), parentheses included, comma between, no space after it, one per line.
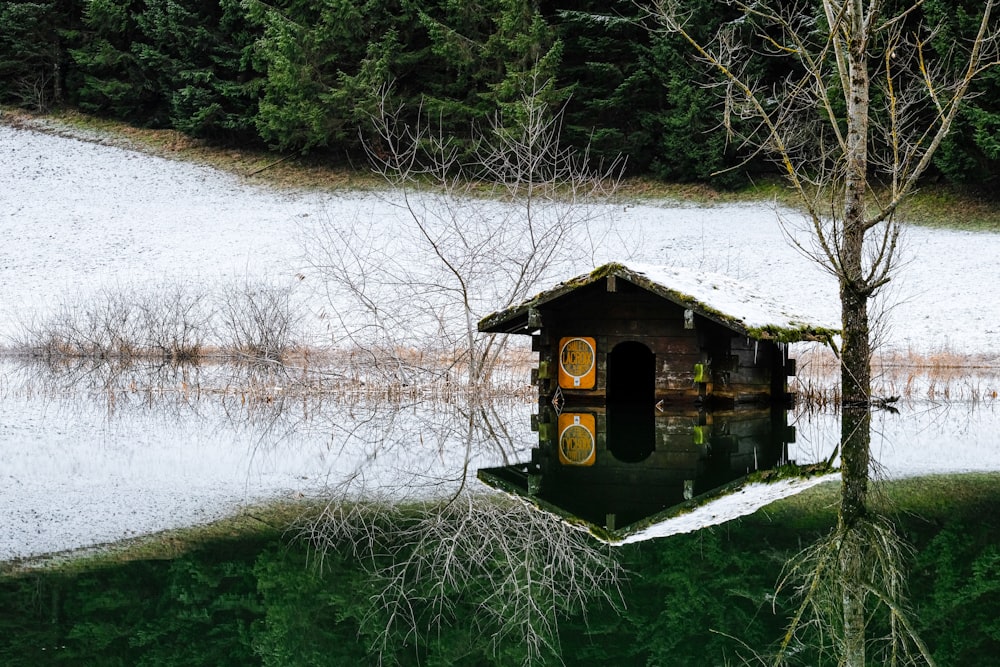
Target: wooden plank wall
(741,370)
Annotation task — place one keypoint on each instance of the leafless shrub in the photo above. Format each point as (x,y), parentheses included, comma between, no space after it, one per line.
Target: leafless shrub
(259,321)
(107,326)
(33,91)
(176,322)
(124,324)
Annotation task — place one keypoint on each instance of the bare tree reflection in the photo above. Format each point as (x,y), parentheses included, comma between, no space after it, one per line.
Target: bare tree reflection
(851,584)
(433,541)
(521,569)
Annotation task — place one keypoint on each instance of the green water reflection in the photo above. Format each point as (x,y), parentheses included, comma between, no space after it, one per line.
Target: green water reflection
(628,467)
(705,598)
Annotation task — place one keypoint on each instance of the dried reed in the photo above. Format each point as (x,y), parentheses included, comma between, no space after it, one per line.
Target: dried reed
(940,375)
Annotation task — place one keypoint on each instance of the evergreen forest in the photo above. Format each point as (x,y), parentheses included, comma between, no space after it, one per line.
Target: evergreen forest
(305,77)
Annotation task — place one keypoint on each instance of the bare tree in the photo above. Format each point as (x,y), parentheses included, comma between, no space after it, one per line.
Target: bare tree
(476,231)
(854,126)
(834,143)
(437,550)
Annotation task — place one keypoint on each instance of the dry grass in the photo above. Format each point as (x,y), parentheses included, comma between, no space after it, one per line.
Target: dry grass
(937,205)
(257,387)
(432,375)
(941,375)
(290,171)
(953,207)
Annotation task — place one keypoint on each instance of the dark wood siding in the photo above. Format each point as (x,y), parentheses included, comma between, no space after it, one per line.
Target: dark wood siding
(736,369)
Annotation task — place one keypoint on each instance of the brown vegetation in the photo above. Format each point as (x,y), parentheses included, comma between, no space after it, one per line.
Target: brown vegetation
(940,375)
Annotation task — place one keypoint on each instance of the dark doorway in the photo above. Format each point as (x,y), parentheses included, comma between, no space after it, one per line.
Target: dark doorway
(630,402)
(631,375)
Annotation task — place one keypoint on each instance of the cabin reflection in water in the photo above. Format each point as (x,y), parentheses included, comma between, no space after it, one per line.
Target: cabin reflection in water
(624,467)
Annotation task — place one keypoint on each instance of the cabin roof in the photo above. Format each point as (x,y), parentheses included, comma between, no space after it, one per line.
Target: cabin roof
(713,296)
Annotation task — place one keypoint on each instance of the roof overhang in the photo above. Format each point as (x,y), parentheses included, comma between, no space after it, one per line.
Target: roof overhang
(714,297)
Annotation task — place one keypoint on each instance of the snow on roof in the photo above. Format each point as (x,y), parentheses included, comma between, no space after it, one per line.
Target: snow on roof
(732,500)
(741,501)
(714,296)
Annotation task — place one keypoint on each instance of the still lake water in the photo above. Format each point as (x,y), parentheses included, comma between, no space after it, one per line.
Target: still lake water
(92,455)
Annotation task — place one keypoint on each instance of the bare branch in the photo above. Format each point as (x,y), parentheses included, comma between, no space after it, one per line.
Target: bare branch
(474,232)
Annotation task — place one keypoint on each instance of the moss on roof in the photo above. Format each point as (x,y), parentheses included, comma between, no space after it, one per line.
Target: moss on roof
(714,297)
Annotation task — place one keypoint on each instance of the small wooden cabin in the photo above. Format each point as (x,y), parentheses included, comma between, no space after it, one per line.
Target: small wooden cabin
(648,335)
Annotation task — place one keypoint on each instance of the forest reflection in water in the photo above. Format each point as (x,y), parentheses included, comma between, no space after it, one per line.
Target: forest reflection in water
(420,562)
(694,599)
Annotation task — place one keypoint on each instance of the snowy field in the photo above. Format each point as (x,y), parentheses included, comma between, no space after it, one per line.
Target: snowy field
(77,217)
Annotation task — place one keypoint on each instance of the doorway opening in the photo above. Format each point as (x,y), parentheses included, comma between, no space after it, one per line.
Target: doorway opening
(631,397)
(631,375)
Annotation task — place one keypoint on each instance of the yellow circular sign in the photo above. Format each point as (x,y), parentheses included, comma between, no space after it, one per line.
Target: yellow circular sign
(576,444)
(576,357)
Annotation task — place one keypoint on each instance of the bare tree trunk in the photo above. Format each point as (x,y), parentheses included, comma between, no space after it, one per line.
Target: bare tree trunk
(854,287)
(855,432)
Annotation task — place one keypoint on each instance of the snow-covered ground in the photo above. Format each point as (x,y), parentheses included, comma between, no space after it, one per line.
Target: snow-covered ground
(76,217)
(80,216)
